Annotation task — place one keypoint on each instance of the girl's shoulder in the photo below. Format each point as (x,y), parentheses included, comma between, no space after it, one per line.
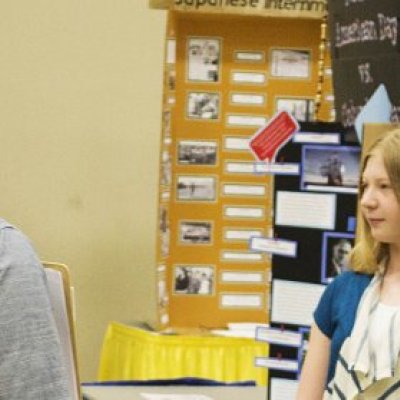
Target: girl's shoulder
(349,286)
(351,278)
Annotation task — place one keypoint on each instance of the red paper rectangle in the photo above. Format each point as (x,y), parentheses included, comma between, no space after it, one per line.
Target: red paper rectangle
(270,138)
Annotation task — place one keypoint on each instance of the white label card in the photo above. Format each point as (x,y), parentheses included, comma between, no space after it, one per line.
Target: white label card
(248,77)
(171,51)
(243,190)
(274,246)
(239,167)
(249,56)
(241,234)
(310,137)
(236,143)
(283,389)
(241,256)
(246,120)
(241,300)
(244,212)
(294,302)
(277,168)
(248,98)
(307,210)
(277,363)
(242,277)
(278,336)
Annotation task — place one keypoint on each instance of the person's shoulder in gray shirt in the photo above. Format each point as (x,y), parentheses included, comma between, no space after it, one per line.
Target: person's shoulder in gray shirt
(31,362)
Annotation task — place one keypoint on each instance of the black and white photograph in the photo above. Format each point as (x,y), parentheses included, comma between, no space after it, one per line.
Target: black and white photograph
(290,63)
(166,169)
(164,232)
(194,279)
(301,109)
(203,59)
(336,248)
(167,123)
(192,152)
(162,292)
(171,79)
(301,355)
(203,105)
(330,168)
(195,232)
(196,188)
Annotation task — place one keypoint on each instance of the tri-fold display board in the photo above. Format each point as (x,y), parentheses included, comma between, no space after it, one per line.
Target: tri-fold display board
(315,211)
(225,76)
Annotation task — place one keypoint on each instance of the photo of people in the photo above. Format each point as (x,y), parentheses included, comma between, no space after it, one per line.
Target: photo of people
(166,169)
(203,59)
(330,168)
(301,355)
(193,279)
(290,63)
(202,105)
(197,152)
(171,79)
(167,123)
(195,232)
(164,232)
(336,248)
(162,292)
(196,188)
(301,109)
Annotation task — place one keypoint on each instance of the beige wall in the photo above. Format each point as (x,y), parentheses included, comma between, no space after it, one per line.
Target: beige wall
(80,111)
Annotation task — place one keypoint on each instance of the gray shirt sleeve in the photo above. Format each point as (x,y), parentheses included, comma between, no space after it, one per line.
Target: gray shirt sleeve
(31,362)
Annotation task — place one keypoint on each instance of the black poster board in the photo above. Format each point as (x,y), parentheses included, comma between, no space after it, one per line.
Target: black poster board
(307,266)
(365,52)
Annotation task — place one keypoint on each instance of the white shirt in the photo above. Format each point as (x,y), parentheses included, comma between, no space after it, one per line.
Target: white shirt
(380,344)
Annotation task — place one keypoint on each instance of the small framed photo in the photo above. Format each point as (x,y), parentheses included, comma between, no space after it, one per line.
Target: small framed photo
(291,63)
(330,168)
(171,79)
(301,109)
(203,59)
(336,248)
(166,169)
(195,232)
(163,220)
(167,123)
(196,152)
(196,188)
(164,231)
(302,351)
(203,105)
(193,279)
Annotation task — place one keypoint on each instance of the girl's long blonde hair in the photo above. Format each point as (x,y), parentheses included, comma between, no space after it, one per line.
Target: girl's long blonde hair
(368,254)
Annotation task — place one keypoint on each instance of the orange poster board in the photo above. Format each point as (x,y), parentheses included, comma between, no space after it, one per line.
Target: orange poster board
(225,76)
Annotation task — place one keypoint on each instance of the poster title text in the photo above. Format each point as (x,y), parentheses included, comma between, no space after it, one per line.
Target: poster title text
(290,5)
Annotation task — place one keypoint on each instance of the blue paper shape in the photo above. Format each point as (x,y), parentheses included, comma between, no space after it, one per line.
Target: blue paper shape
(351,224)
(377,110)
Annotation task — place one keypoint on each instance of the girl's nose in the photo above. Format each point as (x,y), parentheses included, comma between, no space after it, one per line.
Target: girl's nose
(368,198)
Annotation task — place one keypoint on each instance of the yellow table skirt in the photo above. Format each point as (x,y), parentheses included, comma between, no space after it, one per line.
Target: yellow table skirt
(134,354)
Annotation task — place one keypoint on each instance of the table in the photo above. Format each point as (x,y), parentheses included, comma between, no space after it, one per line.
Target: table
(130,353)
(216,393)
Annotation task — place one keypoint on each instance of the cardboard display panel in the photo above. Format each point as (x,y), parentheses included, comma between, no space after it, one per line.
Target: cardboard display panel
(322,201)
(225,76)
